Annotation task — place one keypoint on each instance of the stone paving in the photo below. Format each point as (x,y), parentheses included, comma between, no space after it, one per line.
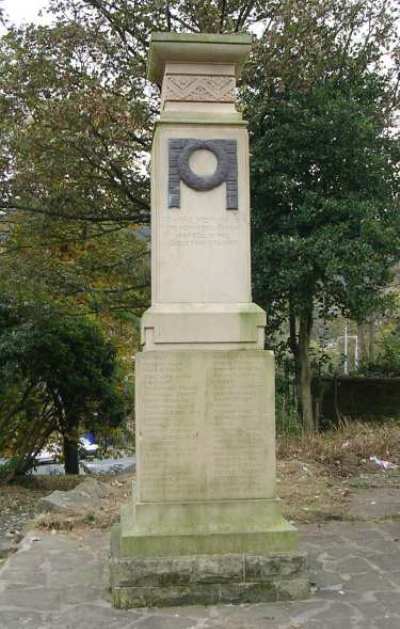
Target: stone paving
(60,582)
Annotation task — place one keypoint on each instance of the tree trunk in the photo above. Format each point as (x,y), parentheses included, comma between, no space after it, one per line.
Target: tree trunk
(71,454)
(371,340)
(294,347)
(305,326)
(362,342)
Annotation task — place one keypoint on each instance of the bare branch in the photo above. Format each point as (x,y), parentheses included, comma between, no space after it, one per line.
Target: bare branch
(222,18)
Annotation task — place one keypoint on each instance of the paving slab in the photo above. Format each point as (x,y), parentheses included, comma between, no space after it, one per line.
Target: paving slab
(376,503)
(59,581)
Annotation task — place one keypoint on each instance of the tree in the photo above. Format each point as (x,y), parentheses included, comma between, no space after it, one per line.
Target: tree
(57,373)
(77,111)
(324,173)
(76,114)
(70,168)
(75,119)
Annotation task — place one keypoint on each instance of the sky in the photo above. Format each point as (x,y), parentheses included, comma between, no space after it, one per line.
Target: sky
(23,10)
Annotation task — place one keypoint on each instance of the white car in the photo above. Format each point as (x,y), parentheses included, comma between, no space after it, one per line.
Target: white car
(53,453)
(87,448)
(48,454)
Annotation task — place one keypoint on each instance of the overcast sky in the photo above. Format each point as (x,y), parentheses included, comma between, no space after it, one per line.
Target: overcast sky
(23,10)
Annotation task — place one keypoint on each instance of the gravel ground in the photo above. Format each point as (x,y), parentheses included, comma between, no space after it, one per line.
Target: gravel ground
(18,506)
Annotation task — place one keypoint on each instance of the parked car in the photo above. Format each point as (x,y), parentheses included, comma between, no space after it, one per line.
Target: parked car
(52,453)
(87,448)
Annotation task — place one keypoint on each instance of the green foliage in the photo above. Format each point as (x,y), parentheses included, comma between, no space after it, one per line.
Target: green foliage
(76,114)
(322,361)
(287,423)
(325,218)
(8,469)
(387,362)
(74,136)
(325,162)
(57,374)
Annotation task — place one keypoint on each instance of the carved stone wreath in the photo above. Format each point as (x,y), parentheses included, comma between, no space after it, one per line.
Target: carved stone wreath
(180,152)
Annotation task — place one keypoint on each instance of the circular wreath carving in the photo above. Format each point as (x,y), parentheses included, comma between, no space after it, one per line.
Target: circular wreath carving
(207,182)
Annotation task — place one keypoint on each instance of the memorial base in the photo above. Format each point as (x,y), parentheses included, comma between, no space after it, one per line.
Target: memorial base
(204,524)
(205,579)
(217,527)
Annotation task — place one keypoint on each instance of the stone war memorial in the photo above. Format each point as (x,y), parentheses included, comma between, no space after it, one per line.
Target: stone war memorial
(204,524)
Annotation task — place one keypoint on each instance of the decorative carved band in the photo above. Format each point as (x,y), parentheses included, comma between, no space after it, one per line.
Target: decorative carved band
(180,151)
(183,87)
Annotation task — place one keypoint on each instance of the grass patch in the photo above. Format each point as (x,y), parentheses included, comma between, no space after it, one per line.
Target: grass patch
(318,473)
(345,452)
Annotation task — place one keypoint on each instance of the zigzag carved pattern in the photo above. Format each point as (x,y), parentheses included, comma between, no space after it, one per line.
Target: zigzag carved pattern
(199,88)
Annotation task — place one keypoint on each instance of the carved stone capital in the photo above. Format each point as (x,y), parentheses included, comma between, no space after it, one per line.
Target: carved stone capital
(207,88)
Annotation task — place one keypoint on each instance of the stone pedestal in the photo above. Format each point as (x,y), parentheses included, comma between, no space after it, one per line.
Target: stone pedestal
(165,581)
(204,524)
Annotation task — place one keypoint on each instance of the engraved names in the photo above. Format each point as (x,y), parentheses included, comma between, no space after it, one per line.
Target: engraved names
(205,428)
(168,426)
(197,231)
(238,447)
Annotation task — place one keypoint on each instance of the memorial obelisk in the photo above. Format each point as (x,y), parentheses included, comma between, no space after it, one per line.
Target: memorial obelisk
(204,524)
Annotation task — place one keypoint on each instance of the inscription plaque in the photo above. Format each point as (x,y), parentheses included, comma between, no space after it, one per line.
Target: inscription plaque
(205,425)
(189,231)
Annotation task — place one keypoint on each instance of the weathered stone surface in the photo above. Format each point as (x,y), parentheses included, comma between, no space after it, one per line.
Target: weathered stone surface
(131,597)
(217,569)
(293,589)
(201,228)
(263,567)
(201,250)
(84,495)
(205,579)
(169,326)
(205,424)
(274,540)
(210,594)
(165,571)
(206,463)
